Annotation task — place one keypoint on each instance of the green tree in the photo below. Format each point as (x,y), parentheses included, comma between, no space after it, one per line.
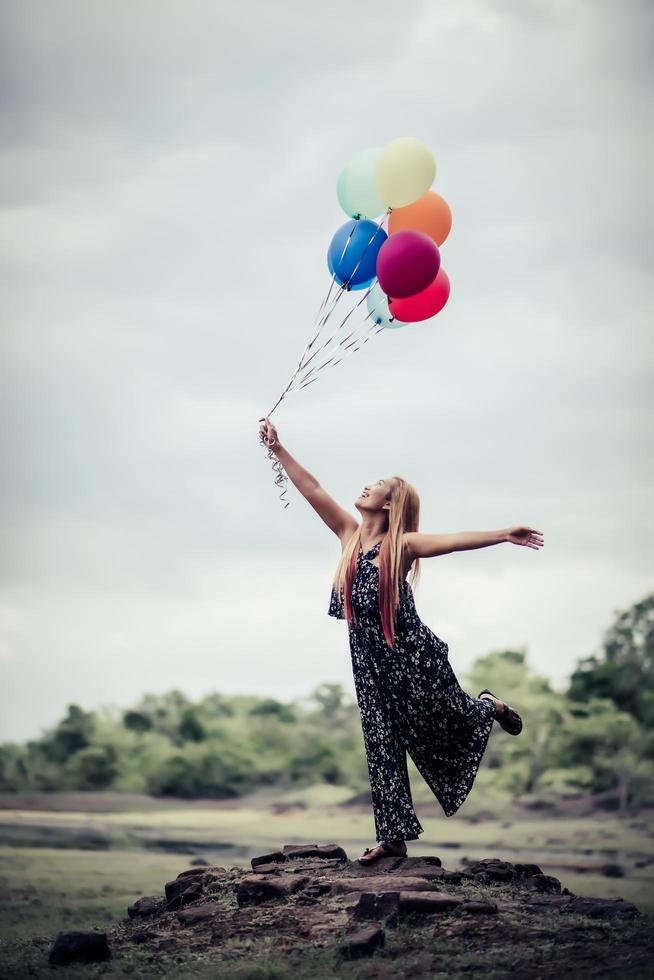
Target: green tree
(191,728)
(94,767)
(13,768)
(202,769)
(330,699)
(137,721)
(609,741)
(623,670)
(315,761)
(270,708)
(72,734)
(519,761)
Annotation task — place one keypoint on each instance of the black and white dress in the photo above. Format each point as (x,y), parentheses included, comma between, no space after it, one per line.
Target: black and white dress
(409,701)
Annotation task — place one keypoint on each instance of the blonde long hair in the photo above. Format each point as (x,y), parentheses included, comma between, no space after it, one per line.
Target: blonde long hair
(403,515)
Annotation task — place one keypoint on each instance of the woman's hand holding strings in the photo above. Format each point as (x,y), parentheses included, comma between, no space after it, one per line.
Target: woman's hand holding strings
(268,433)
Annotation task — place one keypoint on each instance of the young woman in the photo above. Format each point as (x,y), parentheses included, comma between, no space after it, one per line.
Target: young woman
(408,696)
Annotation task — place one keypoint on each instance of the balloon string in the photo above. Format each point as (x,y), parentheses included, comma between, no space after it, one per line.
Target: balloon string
(373,330)
(342,343)
(325,302)
(329,339)
(281,478)
(343,289)
(346,287)
(322,306)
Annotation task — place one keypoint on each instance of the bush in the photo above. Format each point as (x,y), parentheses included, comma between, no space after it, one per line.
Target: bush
(201,769)
(137,721)
(93,768)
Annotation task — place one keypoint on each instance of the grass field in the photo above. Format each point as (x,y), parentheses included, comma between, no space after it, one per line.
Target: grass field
(81,867)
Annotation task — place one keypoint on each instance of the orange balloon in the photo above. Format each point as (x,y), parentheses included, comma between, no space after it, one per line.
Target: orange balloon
(430,214)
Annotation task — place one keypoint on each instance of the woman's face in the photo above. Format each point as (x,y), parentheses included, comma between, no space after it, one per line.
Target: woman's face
(375,495)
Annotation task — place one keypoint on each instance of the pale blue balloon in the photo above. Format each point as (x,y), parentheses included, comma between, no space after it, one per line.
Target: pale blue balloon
(356,188)
(377,303)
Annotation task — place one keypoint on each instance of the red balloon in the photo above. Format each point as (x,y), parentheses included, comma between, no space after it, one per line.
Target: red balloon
(407,262)
(423,305)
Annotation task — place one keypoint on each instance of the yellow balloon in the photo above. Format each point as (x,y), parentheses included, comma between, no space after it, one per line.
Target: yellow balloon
(405,171)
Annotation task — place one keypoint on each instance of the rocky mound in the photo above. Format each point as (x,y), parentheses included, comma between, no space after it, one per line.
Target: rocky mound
(313,897)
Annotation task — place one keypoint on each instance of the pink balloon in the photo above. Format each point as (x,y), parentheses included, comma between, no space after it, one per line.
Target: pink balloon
(423,305)
(407,262)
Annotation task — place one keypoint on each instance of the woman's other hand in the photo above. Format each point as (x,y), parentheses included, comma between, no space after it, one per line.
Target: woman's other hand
(268,433)
(529,537)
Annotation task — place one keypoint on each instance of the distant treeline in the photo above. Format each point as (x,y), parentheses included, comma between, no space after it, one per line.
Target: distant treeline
(597,737)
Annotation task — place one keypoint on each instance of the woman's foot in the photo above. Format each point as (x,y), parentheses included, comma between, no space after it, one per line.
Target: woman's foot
(385,848)
(508,717)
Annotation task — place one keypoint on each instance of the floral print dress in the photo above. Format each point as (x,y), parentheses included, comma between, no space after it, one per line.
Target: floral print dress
(409,701)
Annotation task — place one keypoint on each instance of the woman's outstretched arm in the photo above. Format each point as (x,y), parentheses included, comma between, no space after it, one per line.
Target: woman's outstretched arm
(430,545)
(334,516)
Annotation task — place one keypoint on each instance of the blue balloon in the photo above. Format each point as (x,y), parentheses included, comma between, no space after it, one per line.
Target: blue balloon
(352,254)
(362,285)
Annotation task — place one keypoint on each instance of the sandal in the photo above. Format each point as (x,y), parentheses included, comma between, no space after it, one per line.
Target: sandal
(512,725)
(387,851)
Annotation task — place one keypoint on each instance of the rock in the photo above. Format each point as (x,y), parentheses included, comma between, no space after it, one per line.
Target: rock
(207,872)
(362,943)
(414,867)
(317,888)
(275,858)
(527,870)
(83,946)
(542,903)
(341,886)
(292,851)
(417,862)
(612,871)
(254,889)
(427,902)
(543,883)
(182,891)
(381,866)
(199,860)
(429,874)
(323,865)
(191,873)
(142,907)
(189,917)
(267,869)
(479,907)
(601,908)
(383,907)
(493,869)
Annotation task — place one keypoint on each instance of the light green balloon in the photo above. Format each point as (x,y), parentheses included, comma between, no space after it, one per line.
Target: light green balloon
(405,171)
(377,303)
(356,188)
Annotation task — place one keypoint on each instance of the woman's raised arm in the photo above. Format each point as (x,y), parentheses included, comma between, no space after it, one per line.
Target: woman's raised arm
(334,516)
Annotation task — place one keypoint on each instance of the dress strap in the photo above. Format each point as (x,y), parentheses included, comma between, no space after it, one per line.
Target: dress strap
(374,547)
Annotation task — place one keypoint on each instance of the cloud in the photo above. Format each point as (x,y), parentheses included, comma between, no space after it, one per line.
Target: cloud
(167,183)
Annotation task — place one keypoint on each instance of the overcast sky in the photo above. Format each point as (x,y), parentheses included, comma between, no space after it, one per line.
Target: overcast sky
(168,177)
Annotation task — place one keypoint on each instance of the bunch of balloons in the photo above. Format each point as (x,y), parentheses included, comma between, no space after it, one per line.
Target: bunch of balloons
(406,262)
(398,267)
